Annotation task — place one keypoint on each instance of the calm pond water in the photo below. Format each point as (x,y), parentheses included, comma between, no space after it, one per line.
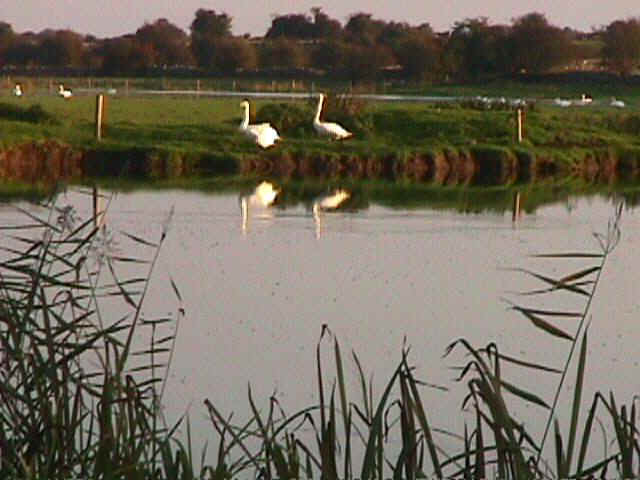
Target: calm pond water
(256,297)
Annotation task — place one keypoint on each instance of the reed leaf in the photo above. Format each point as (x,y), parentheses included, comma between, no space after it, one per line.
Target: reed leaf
(556,284)
(528,396)
(369,462)
(544,325)
(568,255)
(577,400)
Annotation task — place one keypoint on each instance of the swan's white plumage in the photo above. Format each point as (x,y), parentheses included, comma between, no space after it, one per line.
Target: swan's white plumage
(617,103)
(63,92)
(262,134)
(329,129)
(17,90)
(562,103)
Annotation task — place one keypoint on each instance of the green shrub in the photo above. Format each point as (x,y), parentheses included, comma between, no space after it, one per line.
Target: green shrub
(32,114)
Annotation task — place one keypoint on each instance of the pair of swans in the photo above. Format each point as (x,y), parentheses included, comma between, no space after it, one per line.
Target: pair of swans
(265,136)
(265,194)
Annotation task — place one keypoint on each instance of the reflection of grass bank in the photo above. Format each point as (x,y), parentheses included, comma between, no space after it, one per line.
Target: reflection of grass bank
(392,194)
(447,144)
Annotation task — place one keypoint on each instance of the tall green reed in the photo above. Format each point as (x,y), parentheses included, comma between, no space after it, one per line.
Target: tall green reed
(74,402)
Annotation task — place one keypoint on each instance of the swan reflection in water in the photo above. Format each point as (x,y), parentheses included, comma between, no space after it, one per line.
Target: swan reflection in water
(262,197)
(328,202)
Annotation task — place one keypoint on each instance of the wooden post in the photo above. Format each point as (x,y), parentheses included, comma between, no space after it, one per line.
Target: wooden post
(126,87)
(516,206)
(198,85)
(520,121)
(100,106)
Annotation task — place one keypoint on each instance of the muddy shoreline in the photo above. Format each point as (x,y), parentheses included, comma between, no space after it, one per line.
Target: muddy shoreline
(51,161)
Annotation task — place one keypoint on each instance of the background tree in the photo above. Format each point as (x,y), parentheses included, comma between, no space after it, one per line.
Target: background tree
(292,26)
(232,54)
(60,48)
(476,49)
(324,26)
(6,38)
(206,30)
(329,56)
(125,55)
(282,53)
(535,45)
(363,29)
(419,54)
(365,62)
(621,50)
(169,43)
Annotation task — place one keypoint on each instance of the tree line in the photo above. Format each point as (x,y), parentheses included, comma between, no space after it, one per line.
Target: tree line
(364,48)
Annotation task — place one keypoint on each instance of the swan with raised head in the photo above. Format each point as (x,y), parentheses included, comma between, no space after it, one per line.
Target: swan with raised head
(329,129)
(262,134)
(262,196)
(64,92)
(328,202)
(17,90)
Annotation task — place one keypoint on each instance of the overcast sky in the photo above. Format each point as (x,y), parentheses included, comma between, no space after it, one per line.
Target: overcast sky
(107,18)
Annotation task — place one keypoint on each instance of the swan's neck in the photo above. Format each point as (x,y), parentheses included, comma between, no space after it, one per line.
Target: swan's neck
(319,110)
(245,119)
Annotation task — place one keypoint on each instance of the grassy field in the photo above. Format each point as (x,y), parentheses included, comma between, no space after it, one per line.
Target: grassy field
(191,126)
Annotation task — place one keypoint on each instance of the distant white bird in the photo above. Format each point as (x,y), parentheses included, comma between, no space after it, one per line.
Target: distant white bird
(17,90)
(329,129)
(617,103)
(586,99)
(328,202)
(263,196)
(64,92)
(562,103)
(262,134)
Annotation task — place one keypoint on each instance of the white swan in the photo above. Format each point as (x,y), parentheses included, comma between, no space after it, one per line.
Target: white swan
(585,99)
(330,129)
(562,103)
(617,103)
(64,92)
(327,202)
(263,196)
(17,90)
(261,133)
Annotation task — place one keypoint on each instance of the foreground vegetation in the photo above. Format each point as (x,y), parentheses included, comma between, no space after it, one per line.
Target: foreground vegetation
(82,399)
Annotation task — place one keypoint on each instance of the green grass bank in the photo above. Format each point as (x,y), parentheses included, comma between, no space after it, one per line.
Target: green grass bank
(45,137)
